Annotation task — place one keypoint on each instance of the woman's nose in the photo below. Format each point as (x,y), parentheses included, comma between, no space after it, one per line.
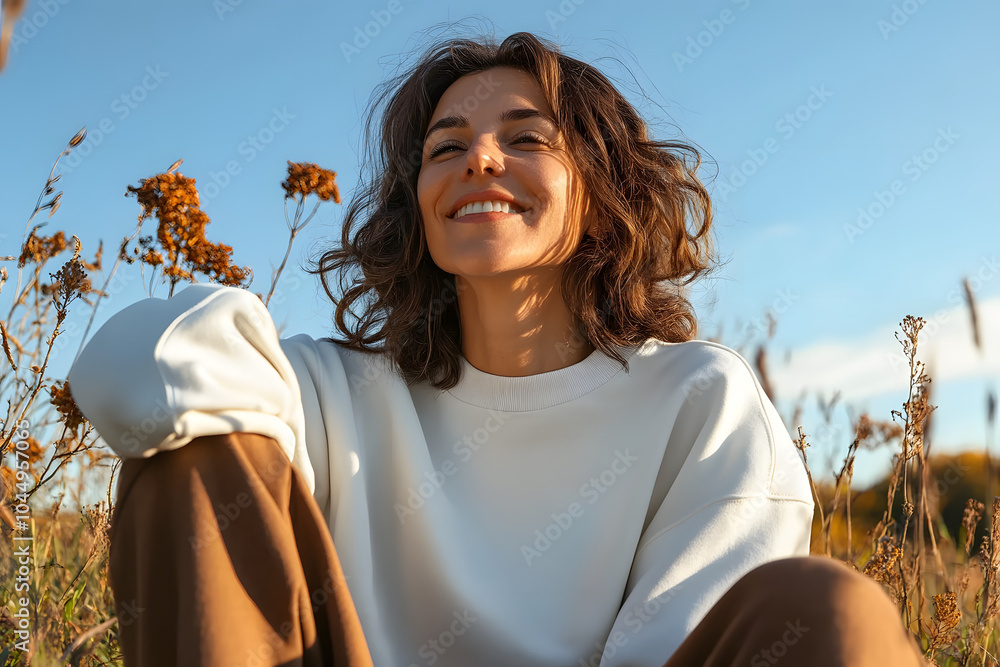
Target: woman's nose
(483,157)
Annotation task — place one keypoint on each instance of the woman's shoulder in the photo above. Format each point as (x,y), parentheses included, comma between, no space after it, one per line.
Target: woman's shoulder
(693,359)
(338,361)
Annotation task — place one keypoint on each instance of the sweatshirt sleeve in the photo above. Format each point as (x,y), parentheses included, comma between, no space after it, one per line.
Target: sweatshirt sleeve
(737,497)
(206,361)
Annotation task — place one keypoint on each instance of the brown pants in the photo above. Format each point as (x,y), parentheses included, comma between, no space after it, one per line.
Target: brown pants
(221,556)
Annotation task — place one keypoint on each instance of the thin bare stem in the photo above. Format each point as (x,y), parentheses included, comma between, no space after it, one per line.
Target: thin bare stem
(294,227)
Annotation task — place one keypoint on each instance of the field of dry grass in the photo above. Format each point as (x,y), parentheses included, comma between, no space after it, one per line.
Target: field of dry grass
(927,533)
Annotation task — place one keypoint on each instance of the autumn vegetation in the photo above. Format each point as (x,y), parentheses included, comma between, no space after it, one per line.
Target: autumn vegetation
(927,533)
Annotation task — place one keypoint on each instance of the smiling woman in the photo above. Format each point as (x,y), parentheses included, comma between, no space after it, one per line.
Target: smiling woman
(502,207)
(607,224)
(519,455)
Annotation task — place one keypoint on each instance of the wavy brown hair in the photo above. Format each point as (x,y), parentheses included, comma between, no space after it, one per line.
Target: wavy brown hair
(624,285)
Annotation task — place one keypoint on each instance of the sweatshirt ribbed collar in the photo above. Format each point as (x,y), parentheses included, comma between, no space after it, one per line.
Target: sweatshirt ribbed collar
(537,392)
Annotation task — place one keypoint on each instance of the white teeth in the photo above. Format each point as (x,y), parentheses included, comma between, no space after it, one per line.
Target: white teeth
(484,207)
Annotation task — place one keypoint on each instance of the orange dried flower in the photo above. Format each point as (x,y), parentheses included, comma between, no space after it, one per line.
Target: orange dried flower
(970,519)
(946,611)
(8,485)
(96,264)
(78,138)
(38,249)
(69,283)
(173,200)
(69,411)
(152,258)
(34,453)
(879,566)
(306,178)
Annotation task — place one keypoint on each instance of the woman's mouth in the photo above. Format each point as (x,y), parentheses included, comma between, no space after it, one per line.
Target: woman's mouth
(484,211)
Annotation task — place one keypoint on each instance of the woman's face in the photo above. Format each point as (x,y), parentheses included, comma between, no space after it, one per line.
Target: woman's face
(483,151)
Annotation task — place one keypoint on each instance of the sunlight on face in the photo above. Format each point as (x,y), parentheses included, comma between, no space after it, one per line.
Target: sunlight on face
(518,156)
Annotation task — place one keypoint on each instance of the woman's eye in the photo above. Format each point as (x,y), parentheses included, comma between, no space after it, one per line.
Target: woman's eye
(524,138)
(531,138)
(438,150)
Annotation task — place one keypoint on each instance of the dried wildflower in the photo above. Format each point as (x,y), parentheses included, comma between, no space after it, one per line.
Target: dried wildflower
(69,283)
(52,204)
(970,300)
(34,453)
(97,519)
(947,616)
(874,433)
(306,178)
(78,138)
(39,249)
(8,483)
(946,611)
(69,411)
(124,252)
(173,199)
(6,345)
(917,410)
(152,258)
(879,566)
(970,519)
(991,564)
(984,555)
(96,264)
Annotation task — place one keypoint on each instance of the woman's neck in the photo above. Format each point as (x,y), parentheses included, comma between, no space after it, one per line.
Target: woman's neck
(517,326)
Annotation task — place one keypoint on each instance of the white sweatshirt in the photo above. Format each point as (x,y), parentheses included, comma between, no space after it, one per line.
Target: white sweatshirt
(584,516)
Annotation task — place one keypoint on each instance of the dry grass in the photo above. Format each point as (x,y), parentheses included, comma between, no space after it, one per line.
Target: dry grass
(899,532)
(49,454)
(946,590)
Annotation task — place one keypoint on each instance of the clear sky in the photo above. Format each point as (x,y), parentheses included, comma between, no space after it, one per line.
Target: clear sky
(854,142)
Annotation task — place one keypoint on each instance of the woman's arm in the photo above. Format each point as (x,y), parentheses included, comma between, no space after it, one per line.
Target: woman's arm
(205,362)
(740,498)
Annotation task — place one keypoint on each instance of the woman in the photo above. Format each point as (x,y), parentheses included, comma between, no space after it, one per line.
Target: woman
(522,455)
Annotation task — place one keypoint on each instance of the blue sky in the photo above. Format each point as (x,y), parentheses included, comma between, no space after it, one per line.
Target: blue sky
(855,145)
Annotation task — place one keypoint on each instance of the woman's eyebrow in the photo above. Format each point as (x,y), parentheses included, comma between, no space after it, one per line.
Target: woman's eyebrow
(506,116)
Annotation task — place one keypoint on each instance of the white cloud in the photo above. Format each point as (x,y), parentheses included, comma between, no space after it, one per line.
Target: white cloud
(875,365)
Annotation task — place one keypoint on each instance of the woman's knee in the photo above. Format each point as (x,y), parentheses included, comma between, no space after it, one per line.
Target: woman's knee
(217,475)
(818,583)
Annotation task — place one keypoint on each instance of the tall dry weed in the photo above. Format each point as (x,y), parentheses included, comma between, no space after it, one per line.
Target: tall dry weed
(56,603)
(944,583)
